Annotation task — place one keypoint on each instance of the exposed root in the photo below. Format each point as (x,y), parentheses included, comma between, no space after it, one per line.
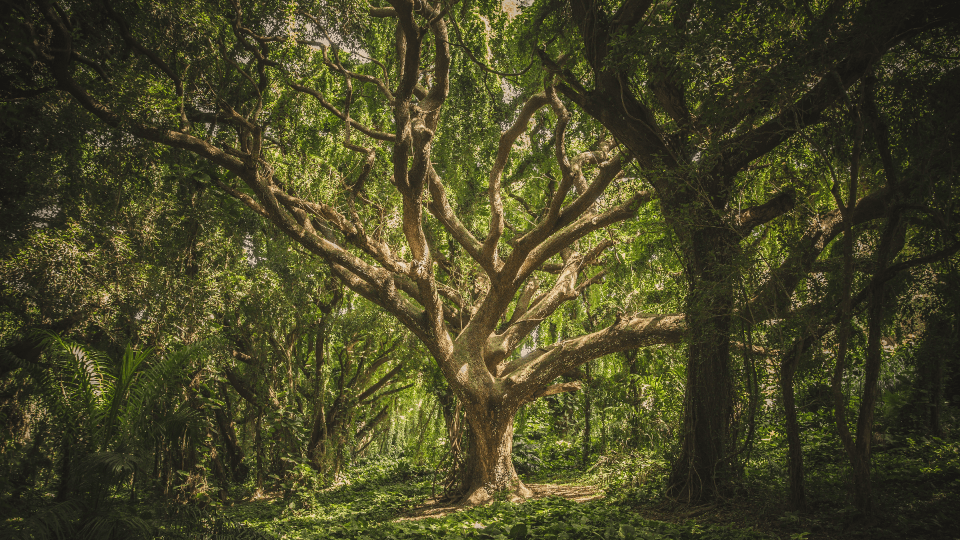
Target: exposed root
(577,493)
(481,495)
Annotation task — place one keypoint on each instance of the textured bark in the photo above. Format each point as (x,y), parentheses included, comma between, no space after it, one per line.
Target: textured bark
(490,470)
(455,482)
(706,449)
(259,450)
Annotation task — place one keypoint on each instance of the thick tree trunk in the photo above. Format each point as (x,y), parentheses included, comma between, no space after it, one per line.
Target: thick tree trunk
(704,460)
(489,469)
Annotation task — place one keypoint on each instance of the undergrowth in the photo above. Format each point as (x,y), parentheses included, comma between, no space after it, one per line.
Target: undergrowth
(917,485)
(552,518)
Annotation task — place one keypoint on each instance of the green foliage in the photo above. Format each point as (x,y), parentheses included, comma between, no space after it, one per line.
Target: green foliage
(381,490)
(192,342)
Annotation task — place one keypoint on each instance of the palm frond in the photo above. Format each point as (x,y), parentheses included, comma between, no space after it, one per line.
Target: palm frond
(54,522)
(114,525)
(117,404)
(113,464)
(76,386)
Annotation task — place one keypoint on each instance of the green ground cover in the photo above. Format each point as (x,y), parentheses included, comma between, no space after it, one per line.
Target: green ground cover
(918,489)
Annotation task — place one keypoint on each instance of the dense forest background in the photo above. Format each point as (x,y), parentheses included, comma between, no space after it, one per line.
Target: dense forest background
(297,269)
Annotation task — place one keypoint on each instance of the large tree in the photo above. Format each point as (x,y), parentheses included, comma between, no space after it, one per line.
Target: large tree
(361,132)
(705,95)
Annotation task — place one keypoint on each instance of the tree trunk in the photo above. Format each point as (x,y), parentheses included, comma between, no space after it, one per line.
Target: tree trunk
(633,369)
(788,369)
(932,361)
(936,393)
(705,454)
(863,489)
(586,416)
(228,436)
(318,434)
(455,478)
(890,244)
(489,467)
(63,488)
(258,448)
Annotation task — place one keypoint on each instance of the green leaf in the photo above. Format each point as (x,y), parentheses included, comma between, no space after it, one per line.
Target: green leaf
(518,531)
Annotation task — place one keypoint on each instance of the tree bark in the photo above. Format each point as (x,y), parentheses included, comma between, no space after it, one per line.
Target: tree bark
(455,479)
(490,471)
(587,413)
(705,456)
(891,242)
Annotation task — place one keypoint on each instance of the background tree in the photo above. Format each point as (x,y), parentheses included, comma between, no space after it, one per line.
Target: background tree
(704,95)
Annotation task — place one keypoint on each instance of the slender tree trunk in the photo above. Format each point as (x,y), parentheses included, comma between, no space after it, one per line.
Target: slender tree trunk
(891,242)
(25,478)
(863,486)
(633,369)
(258,444)
(318,434)
(218,469)
(63,488)
(788,368)
(228,435)
(936,393)
(586,416)
(753,387)
(932,360)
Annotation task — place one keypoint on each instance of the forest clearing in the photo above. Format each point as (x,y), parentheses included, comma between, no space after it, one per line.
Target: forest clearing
(616,269)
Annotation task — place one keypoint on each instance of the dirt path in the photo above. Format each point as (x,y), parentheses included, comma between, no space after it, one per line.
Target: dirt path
(573,492)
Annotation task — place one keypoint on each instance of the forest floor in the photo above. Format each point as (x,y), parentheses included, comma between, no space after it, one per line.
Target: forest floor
(917,489)
(433,508)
